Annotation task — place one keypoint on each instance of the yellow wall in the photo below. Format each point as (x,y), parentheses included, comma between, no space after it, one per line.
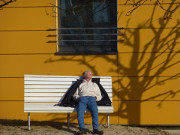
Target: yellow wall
(145,71)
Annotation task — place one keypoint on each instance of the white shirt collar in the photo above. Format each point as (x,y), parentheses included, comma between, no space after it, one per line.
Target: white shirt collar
(84,80)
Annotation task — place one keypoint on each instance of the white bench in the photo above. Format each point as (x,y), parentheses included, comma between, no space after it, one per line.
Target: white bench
(43,92)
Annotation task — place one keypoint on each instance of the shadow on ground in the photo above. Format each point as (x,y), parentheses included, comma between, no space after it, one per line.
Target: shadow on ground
(19,127)
(55,125)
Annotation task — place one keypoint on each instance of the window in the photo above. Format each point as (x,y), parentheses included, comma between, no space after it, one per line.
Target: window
(87,26)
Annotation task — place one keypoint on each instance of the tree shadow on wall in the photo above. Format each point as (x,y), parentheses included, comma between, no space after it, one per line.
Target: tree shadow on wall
(5,2)
(146,66)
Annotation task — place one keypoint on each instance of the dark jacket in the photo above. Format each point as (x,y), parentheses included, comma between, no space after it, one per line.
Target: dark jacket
(68,99)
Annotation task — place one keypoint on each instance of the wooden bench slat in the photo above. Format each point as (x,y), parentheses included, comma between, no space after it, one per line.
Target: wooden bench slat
(51,79)
(45,82)
(45,99)
(54,86)
(62,83)
(108,90)
(44,94)
(50,107)
(43,105)
(50,94)
(42,99)
(64,111)
(59,79)
(61,76)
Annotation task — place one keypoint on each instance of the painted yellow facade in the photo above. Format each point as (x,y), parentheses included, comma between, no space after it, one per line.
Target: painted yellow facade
(145,71)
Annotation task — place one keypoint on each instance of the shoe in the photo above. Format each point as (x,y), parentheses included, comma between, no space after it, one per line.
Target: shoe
(82,132)
(96,131)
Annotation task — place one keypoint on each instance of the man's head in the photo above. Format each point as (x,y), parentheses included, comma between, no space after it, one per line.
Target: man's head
(87,75)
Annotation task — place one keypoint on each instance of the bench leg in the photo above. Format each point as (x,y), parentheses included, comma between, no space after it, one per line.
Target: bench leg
(29,121)
(68,117)
(107,120)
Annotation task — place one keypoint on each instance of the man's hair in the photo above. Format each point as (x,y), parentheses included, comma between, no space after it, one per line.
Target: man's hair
(84,73)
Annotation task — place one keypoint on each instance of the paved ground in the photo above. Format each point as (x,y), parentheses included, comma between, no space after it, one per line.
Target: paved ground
(171,130)
(14,127)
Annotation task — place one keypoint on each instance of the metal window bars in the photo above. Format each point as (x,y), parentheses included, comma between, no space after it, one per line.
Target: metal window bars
(59,35)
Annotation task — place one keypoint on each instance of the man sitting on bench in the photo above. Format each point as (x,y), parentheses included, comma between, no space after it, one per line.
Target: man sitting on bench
(86,96)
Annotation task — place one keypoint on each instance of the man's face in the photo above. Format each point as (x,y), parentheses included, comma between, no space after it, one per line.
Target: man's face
(88,75)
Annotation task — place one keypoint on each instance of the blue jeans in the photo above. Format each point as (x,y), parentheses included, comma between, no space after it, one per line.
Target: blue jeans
(90,103)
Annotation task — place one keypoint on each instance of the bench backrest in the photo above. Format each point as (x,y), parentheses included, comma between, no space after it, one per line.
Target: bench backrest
(49,88)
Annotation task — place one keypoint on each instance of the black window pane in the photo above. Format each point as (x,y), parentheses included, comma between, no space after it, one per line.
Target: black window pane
(88,26)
